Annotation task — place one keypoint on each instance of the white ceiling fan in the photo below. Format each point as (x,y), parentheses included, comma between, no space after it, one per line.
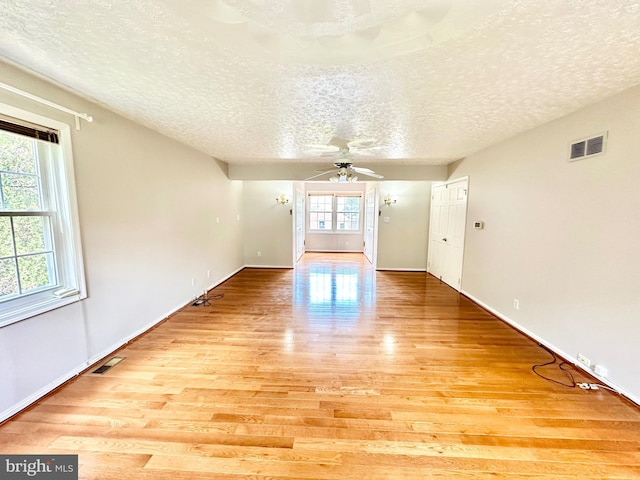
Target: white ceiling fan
(345,172)
(339,146)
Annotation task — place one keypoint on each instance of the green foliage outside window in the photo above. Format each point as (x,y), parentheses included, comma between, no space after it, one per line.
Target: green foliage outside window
(26,257)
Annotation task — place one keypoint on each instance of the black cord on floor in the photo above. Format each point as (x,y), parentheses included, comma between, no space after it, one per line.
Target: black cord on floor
(560,366)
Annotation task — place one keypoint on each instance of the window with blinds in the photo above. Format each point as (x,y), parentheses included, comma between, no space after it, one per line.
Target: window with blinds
(40,262)
(335,212)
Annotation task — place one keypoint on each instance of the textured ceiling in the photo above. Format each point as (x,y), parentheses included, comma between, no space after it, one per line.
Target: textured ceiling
(252,81)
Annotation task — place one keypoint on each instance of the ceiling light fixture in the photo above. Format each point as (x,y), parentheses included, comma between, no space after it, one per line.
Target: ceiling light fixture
(343,178)
(344,175)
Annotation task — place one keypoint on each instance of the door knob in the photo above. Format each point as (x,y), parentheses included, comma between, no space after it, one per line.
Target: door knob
(444,239)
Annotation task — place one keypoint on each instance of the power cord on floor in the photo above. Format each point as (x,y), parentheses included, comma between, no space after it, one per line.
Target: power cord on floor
(560,365)
(583,385)
(204,300)
(596,386)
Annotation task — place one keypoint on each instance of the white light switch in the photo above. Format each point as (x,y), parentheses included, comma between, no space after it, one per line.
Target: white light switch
(385,219)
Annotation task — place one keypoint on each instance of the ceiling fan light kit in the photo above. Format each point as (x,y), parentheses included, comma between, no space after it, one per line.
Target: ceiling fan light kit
(345,172)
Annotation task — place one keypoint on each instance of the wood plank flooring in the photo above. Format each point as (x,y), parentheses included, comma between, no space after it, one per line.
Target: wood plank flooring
(332,371)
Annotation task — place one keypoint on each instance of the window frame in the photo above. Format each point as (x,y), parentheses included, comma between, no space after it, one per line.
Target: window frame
(59,204)
(336,200)
(334,213)
(331,212)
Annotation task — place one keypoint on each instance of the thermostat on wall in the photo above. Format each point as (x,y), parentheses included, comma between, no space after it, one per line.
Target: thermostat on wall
(478,225)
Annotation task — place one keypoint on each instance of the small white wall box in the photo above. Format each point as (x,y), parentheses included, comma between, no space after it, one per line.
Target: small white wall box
(478,225)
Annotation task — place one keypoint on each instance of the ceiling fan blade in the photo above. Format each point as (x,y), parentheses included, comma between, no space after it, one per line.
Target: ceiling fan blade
(366,171)
(366,150)
(361,144)
(339,142)
(320,174)
(322,148)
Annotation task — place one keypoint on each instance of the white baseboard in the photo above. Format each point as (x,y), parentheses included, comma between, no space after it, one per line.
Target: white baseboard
(395,269)
(288,267)
(34,397)
(224,279)
(553,348)
(316,250)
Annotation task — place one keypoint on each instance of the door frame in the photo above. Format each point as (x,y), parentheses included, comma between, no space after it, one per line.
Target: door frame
(371,214)
(299,220)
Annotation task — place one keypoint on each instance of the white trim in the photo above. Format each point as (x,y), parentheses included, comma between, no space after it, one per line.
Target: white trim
(49,301)
(335,251)
(34,397)
(552,347)
(224,279)
(395,269)
(337,232)
(269,266)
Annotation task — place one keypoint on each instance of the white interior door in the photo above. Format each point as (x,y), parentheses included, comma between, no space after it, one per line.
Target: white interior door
(370,225)
(437,230)
(299,223)
(447,230)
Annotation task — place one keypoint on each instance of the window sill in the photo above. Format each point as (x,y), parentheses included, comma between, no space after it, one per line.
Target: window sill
(11,313)
(337,232)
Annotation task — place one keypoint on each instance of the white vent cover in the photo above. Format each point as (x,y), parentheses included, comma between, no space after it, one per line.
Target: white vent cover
(588,147)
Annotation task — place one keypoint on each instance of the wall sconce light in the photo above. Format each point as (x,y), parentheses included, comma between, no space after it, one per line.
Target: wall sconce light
(282,199)
(389,201)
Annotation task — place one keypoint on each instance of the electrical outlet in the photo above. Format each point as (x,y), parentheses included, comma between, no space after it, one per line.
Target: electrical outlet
(516,304)
(601,370)
(259,254)
(193,282)
(584,360)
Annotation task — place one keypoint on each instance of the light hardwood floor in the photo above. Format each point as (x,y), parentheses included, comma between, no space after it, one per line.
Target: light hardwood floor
(332,371)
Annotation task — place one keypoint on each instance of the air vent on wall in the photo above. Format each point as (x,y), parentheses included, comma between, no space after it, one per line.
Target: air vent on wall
(588,147)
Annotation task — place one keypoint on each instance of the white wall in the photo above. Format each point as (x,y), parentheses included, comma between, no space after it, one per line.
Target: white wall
(148,216)
(403,240)
(563,237)
(268,226)
(335,242)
